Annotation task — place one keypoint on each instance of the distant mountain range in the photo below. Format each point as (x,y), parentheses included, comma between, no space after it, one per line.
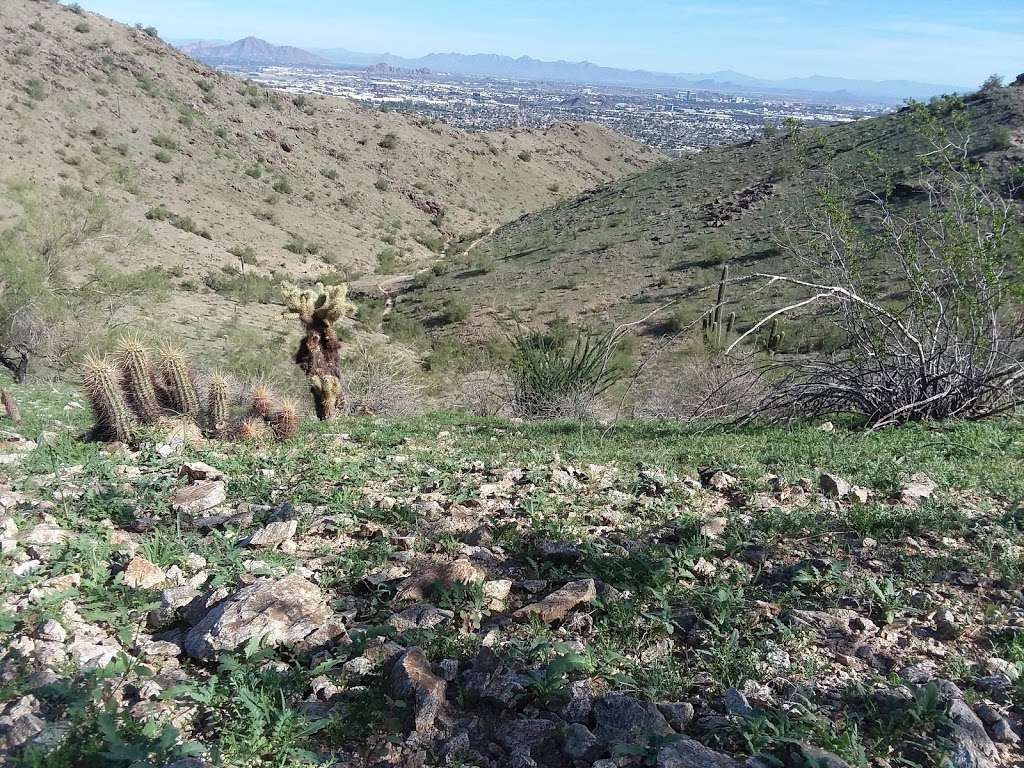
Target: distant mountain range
(254,51)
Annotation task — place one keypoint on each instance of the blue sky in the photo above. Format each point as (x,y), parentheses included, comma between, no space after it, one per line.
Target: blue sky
(944,41)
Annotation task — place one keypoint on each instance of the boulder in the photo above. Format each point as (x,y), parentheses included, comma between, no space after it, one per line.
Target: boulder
(620,719)
(201,496)
(688,753)
(281,612)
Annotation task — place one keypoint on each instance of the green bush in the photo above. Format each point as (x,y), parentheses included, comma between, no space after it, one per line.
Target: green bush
(165,142)
(247,288)
(454,310)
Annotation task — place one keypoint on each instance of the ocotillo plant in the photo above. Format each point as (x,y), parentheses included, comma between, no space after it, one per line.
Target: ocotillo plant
(318,354)
(137,379)
(102,380)
(178,386)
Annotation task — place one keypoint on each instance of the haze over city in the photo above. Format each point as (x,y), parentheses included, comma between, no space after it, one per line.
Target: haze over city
(944,41)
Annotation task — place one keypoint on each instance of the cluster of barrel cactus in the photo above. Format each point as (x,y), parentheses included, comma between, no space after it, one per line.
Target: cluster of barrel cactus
(133,388)
(319,351)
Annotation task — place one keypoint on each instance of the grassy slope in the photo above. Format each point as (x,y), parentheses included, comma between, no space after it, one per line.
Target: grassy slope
(90,104)
(617,253)
(890,564)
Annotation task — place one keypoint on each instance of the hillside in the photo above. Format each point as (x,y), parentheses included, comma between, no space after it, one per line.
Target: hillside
(300,186)
(615,254)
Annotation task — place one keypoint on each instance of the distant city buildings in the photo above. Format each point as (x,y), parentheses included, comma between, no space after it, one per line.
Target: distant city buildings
(674,122)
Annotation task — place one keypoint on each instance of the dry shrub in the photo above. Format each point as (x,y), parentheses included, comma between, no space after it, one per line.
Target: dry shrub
(484,392)
(380,381)
(703,387)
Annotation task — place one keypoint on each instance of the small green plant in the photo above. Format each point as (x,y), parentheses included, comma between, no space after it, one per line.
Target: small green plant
(553,377)
(35,89)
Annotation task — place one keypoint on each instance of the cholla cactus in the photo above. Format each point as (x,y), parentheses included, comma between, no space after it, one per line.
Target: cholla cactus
(178,385)
(318,308)
(325,391)
(102,380)
(137,381)
(285,420)
(217,405)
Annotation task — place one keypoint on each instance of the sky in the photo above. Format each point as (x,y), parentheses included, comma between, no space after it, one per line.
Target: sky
(951,42)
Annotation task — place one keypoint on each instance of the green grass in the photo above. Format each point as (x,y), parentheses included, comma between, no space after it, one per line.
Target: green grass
(666,628)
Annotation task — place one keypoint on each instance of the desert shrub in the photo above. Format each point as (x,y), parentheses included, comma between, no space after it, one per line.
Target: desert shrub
(184,223)
(165,142)
(370,312)
(1000,138)
(525,156)
(942,336)
(454,310)
(282,186)
(35,89)
(703,386)
(245,254)
(380,381)
(552,376)
(387,260)
(483,392)
(245,288)
(82,27)
(390,141)
(44,314)
(430,240)
(300,246)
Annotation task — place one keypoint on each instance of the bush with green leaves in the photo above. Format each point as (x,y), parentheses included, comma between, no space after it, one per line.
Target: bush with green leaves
(562,376)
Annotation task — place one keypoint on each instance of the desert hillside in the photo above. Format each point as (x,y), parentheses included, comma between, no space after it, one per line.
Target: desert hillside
(619,252)
(203,171)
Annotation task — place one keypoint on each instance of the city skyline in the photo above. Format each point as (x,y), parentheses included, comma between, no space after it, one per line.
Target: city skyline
(926,41)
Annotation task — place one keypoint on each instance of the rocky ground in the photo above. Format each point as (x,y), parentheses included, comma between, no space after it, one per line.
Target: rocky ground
(445,591)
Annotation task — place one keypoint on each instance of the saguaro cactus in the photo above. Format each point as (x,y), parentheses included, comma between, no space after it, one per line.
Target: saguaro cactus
(318,354)
(179,387)
(133,359)
(102,380)
(716,325)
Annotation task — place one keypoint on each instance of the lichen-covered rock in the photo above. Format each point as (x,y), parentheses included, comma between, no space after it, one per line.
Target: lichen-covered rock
(281,612)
